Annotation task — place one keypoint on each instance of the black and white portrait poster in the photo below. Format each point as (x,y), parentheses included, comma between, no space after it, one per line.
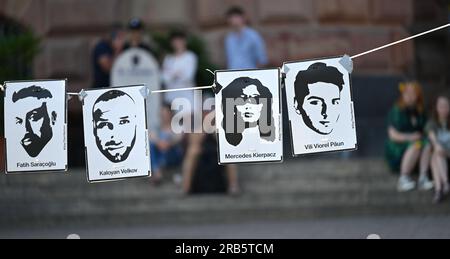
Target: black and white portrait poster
(36,126)
(248,116)
(320,106)
(116,133)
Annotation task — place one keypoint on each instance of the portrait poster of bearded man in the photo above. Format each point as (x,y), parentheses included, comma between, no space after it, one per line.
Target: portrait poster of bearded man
(116,133)
(36,126)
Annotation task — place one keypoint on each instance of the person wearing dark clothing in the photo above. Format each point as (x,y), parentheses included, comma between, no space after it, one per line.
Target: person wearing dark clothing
(201,172)
(103,57)
(136,37)
(209,177)
(102,69)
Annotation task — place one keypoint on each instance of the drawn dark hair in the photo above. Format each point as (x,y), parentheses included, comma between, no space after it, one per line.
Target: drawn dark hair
(233,92)
(318,72)
(108,96)
(32,91)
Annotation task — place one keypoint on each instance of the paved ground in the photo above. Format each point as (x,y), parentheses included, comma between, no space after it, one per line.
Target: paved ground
(353,228)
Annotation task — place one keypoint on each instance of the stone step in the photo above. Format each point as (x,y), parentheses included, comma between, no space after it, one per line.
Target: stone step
(296,188)
(334,169)
(274,199)
(198,209)
(263,181)
(169,190)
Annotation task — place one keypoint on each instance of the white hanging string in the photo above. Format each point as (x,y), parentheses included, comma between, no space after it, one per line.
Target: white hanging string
(182,89)
(2,88)
(186,89)
(400,41)
(353,57)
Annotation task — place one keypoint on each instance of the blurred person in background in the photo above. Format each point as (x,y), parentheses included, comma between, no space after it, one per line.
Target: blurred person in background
(104,55)
(245,48)
(136,36)
(179,70)
(165,146)
(438,130)
(201,172)
(407,144)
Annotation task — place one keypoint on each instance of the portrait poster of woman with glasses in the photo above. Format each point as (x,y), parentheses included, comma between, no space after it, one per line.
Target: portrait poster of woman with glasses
(248,116)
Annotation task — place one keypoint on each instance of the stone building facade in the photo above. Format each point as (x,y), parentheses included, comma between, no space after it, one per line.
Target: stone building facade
(293,29)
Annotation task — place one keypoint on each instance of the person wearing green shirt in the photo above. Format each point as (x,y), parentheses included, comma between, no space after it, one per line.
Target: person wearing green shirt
(407,144)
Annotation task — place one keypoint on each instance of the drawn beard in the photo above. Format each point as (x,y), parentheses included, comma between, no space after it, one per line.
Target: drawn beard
(33,144)
(115,157)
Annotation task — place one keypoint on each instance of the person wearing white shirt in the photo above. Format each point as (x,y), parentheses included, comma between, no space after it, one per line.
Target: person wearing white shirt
(179,71)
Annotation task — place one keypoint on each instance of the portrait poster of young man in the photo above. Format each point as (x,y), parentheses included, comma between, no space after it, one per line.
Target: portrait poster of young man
(116,133)
(35,126)
(320,106)
(248,116)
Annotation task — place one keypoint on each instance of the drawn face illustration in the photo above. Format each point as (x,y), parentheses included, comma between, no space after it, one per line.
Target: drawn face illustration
(34,126)
(250,110)
(115,125)
(318,97)
(321,106)
(247,103)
